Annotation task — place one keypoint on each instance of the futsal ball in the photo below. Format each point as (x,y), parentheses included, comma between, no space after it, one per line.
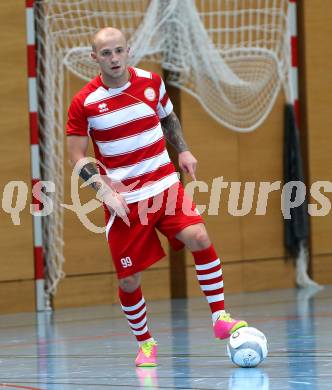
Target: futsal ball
(247,347)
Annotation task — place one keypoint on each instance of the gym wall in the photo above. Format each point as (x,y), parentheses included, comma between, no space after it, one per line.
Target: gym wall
(251,246)
(16,265)
(317,21)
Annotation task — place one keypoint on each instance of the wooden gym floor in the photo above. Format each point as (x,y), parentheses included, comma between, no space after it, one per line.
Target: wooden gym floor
(92,348)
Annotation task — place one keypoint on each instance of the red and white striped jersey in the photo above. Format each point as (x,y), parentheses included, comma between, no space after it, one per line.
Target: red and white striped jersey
(124,126)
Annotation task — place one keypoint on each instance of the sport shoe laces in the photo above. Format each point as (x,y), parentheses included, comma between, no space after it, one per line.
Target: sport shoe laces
(148,347)
(225,317)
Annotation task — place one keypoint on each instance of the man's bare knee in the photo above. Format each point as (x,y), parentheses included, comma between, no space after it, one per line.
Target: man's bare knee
(195,237)
(201,238)
(130,283)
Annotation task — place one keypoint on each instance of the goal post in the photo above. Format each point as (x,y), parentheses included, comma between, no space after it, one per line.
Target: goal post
(38,252)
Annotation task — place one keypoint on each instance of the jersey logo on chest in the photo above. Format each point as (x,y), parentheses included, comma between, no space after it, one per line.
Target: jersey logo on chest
(150,94)
(103,107)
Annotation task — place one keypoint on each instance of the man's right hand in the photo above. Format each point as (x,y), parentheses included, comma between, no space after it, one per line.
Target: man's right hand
(114,201)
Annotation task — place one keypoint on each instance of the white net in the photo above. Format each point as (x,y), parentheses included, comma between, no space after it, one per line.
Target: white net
(232,55)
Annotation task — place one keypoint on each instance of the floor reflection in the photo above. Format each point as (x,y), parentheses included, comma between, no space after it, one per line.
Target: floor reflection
(301,340)
(248,379)
(46,349)
(147,377)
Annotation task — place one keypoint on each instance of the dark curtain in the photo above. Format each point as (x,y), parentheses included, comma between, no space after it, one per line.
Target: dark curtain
(297,227)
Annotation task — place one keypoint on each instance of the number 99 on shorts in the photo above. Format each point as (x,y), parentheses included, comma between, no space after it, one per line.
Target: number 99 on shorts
(126,262)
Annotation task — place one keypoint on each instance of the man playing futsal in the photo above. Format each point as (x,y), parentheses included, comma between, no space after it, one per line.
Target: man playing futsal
(127,114)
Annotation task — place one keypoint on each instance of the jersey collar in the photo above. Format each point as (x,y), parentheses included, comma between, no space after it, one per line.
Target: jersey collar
(116,91)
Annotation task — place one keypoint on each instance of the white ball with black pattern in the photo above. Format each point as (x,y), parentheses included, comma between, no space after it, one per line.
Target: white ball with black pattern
(247,347)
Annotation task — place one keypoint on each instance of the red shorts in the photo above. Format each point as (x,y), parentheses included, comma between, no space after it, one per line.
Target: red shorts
(135,247)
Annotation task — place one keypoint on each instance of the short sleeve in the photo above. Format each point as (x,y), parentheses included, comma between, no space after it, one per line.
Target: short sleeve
(165,106)
(77,123)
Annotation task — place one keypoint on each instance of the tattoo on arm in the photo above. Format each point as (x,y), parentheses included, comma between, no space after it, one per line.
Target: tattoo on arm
(173,132)
(87,172)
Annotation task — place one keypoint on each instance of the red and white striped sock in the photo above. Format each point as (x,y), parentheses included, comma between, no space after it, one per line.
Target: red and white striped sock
(209,275)
(134,308)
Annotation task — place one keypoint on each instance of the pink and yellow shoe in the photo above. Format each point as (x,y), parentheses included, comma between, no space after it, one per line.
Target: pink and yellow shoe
(225,326)
(147,354)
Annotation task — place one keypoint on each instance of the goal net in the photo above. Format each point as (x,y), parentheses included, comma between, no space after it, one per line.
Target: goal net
(232,55)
